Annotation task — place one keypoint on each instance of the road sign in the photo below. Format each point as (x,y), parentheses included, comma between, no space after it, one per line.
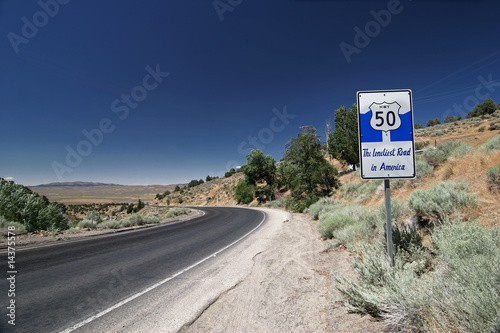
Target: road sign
(386,142)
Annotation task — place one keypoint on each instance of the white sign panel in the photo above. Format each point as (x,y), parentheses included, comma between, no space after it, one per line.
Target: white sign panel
(386,143)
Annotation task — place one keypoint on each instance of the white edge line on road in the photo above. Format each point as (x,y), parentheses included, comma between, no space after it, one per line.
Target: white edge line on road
(139,294)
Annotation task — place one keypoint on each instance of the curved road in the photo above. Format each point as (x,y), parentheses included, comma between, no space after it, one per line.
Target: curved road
(61,285)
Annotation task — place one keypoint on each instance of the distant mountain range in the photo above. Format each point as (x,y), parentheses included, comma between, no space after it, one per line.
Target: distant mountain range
(59,184)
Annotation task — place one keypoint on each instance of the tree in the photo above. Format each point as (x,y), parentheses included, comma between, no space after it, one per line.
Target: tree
(487,107)
(306,172)
(450,119)
(140,205)
(343,143)
(177,188)
(210,178)
(433,122)
(261,169)
(244,192)
(418,126)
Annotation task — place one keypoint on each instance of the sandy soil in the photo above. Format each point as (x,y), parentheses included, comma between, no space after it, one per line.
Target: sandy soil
(289,289)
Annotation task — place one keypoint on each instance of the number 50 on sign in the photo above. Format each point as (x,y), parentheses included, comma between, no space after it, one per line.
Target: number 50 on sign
(386,142)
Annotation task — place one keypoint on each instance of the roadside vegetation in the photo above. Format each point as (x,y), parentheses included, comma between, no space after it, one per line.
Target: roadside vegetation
(447,248)
(21,206)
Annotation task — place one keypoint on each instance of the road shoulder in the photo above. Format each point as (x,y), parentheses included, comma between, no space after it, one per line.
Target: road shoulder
(289,288)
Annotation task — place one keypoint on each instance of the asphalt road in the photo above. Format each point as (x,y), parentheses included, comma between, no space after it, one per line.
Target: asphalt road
(61,285)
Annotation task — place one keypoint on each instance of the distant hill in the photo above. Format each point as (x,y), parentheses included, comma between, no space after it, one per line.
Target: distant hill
(75,184)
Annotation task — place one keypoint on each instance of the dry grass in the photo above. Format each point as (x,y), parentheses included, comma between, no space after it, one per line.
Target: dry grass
(470,168)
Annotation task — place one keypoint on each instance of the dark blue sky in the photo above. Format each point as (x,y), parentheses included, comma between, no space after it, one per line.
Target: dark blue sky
(159,92)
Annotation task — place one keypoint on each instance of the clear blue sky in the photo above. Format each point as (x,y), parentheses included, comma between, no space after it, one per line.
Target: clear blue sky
(173,90)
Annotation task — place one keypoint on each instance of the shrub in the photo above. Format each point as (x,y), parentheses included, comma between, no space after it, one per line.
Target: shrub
(177,211)
(110,225)
(406,238)
(441,200)
(421,145)
(276,204)
(434,157)
(332,221)
(493,177)
(467,294)
(4,224)
(244,192)
(85,224)
(347,224)
(351,190)
(481,129)
(125,222)
(398,210)
(461,294)
(423,168)
(151,219)
(323,204)
(491,145)
(136,219)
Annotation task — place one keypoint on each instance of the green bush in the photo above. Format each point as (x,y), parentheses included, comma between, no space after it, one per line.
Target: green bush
(423,168)
(177,211)
(244,192)
(125,222)
(351,190)
(4,224)
(151,219)
(441,200)
(481,129)
(491,145)
(347,223)
(276,204)
(399,209)
(461,293)
(136,219)
(109,225)
(86,224)
(406,238)
(421,145)
(493,177)
(434,157)
(455,148)
(332,221)
(323,204)
(468,291)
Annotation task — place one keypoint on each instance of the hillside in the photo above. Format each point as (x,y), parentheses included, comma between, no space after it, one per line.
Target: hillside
(470,167)
(220,192)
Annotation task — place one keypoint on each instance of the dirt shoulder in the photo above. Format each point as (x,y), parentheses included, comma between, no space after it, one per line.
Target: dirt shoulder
(289,288)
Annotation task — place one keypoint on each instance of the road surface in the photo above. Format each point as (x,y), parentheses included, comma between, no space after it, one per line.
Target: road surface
(69,286)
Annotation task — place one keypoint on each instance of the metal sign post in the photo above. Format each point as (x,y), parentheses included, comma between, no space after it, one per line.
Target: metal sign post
(388,224)
(386,141)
